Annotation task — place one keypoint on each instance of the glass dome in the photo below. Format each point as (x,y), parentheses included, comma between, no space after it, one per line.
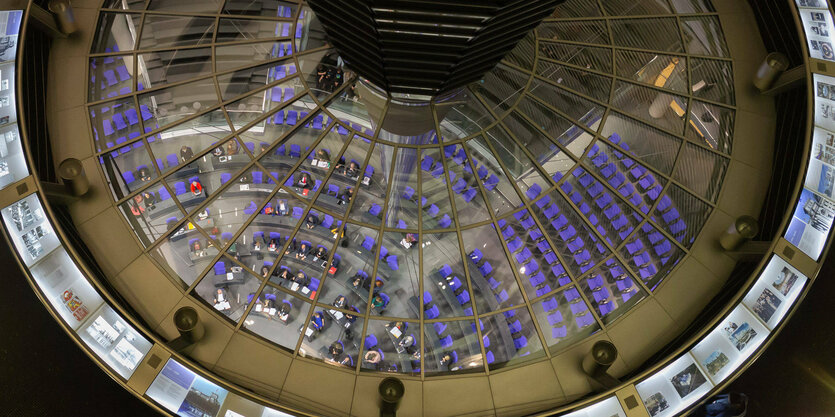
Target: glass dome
(538,206)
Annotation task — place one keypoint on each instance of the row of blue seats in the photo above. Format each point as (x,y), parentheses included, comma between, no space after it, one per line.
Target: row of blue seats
(391,260)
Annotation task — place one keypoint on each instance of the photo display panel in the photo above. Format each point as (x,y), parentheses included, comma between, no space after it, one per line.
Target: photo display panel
(32,235)
(674,388)
(609,407)
(12,161)
(775,291)
(817,24)
(66,288)
(114,341)
(813,215)
(728,345)
(187,394)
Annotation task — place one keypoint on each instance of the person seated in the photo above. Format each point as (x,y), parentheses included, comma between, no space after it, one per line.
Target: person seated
(323,155)
(283,208)
(311,221)
(186,153)
(264,147)
(321,77)
(340,165)
(292,247)
(304,181)
(221,301)
(321,253)
(274,245)
(283,312)
(303,251)
(335,350)
(340,301)
(446,360)
(197,248)
(359,280)
(301,279)
(345,360)
(378,285)
(377,302)
(407,342)
(265,271)
(135,208)
(335,263)
(231,147)
(203,215)
(352,317)
(196,188)
(317,322)
(285,274)
(373,358)
(218,151)
(409,240)
(345,196)
(256,245)
(144,174)
(352,170)
(150,199)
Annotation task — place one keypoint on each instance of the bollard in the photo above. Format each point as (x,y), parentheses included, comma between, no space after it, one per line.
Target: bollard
(62,10)
(772,67)
(743,229)
(72,174)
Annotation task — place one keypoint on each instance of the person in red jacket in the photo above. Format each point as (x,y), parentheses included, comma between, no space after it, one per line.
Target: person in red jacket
(196,188)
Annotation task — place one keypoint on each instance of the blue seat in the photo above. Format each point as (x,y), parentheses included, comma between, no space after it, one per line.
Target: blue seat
(533,191)
(368,243)
(427,163)
(520,342)
(493,283)
(179,188)
(514,245)
(455,283)
(445,221)
(432,312)
(327,221)
(427,298)
(295,151)
(370,341)
(391,261)
(446,341)
(463,298)
(486,269)
(476,255)
(298,212)
(559,332)
(224,177)
(508,233)
(515,327)
(375,210)
(439,327)
(502,296)
(550,304)
(445,271)
(220,268)
(491,182)
(163,194)
(489,357)
(433,210)
(408,193)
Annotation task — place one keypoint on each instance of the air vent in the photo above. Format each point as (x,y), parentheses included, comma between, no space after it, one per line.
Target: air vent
(631,402)
(788,252)
(154,361)
(22,189)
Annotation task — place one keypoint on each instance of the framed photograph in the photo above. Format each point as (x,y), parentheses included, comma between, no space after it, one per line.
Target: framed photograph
(688,380)
(766,304)
(715,362)
(785,281)
(740,335)
(656,403)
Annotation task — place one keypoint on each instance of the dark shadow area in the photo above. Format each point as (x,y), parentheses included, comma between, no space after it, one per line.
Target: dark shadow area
(42,371)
